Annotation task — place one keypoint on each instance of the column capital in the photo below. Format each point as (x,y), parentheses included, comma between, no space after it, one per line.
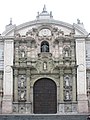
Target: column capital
(28,72)
(61,71)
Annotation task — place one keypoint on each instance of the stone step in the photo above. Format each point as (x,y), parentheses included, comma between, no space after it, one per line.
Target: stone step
(43,117)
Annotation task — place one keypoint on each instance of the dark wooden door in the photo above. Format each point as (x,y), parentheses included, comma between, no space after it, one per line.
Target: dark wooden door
(45,97)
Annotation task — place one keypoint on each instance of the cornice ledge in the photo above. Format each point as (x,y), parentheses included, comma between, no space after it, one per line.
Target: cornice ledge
(80,36)
(64,38)
(6,37)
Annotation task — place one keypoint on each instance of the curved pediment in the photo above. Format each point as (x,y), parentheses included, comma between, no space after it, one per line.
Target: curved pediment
(44,23)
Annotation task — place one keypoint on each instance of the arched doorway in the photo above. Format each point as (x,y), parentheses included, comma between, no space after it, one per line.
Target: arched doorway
(45,96)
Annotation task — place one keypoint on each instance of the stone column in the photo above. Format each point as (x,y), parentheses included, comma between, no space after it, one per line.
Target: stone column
(61,85)
(8,77)
(28,52)
(1,91)
(60,49)
(81,76)
(61,105)
(73,52)
(16,85)
(28,85)
(74,85)
(17,53)
(28,105)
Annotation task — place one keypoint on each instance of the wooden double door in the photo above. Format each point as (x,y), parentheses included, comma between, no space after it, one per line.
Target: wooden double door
(44,96)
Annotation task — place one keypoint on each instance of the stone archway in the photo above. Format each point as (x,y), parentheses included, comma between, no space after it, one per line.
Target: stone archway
(45,96)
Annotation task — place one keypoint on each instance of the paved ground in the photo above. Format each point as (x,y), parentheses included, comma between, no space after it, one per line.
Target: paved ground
(43,117)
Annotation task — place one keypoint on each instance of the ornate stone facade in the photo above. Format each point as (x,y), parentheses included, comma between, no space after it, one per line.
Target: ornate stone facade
(48,51)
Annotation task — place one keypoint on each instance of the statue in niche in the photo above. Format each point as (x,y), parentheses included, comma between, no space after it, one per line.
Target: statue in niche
(22,83)
(66,53)
(67,95)
(67,81)
(22,54)
(45,48)
(44,65)
(22,95)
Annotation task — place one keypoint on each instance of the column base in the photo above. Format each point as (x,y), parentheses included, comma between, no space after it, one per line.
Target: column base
(7,105)
(82,104)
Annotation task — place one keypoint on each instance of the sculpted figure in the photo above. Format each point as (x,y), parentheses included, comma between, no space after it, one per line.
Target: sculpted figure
(22,95)
(67,95)
(67,82)
(44,48)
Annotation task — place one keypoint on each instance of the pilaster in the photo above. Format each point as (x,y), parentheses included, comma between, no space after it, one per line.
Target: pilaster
(73,85)
(16,53)
(81,76)
(61,85)
(73,52)
(8,77)
(28,85)
(16,85)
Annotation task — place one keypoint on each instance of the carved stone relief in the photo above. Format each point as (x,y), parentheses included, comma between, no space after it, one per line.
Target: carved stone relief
(67,88)
(68,108)
(22,108)
(66,51)
(22,88)
(32,33)
(57,32)
(22,50)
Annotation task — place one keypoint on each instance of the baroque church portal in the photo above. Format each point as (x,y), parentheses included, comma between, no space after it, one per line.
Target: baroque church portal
(44,67)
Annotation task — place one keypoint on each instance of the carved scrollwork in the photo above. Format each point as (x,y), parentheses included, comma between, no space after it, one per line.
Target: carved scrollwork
(57,32)
(31,33)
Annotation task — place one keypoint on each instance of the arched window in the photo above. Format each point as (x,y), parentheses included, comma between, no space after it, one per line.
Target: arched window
(44,46)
